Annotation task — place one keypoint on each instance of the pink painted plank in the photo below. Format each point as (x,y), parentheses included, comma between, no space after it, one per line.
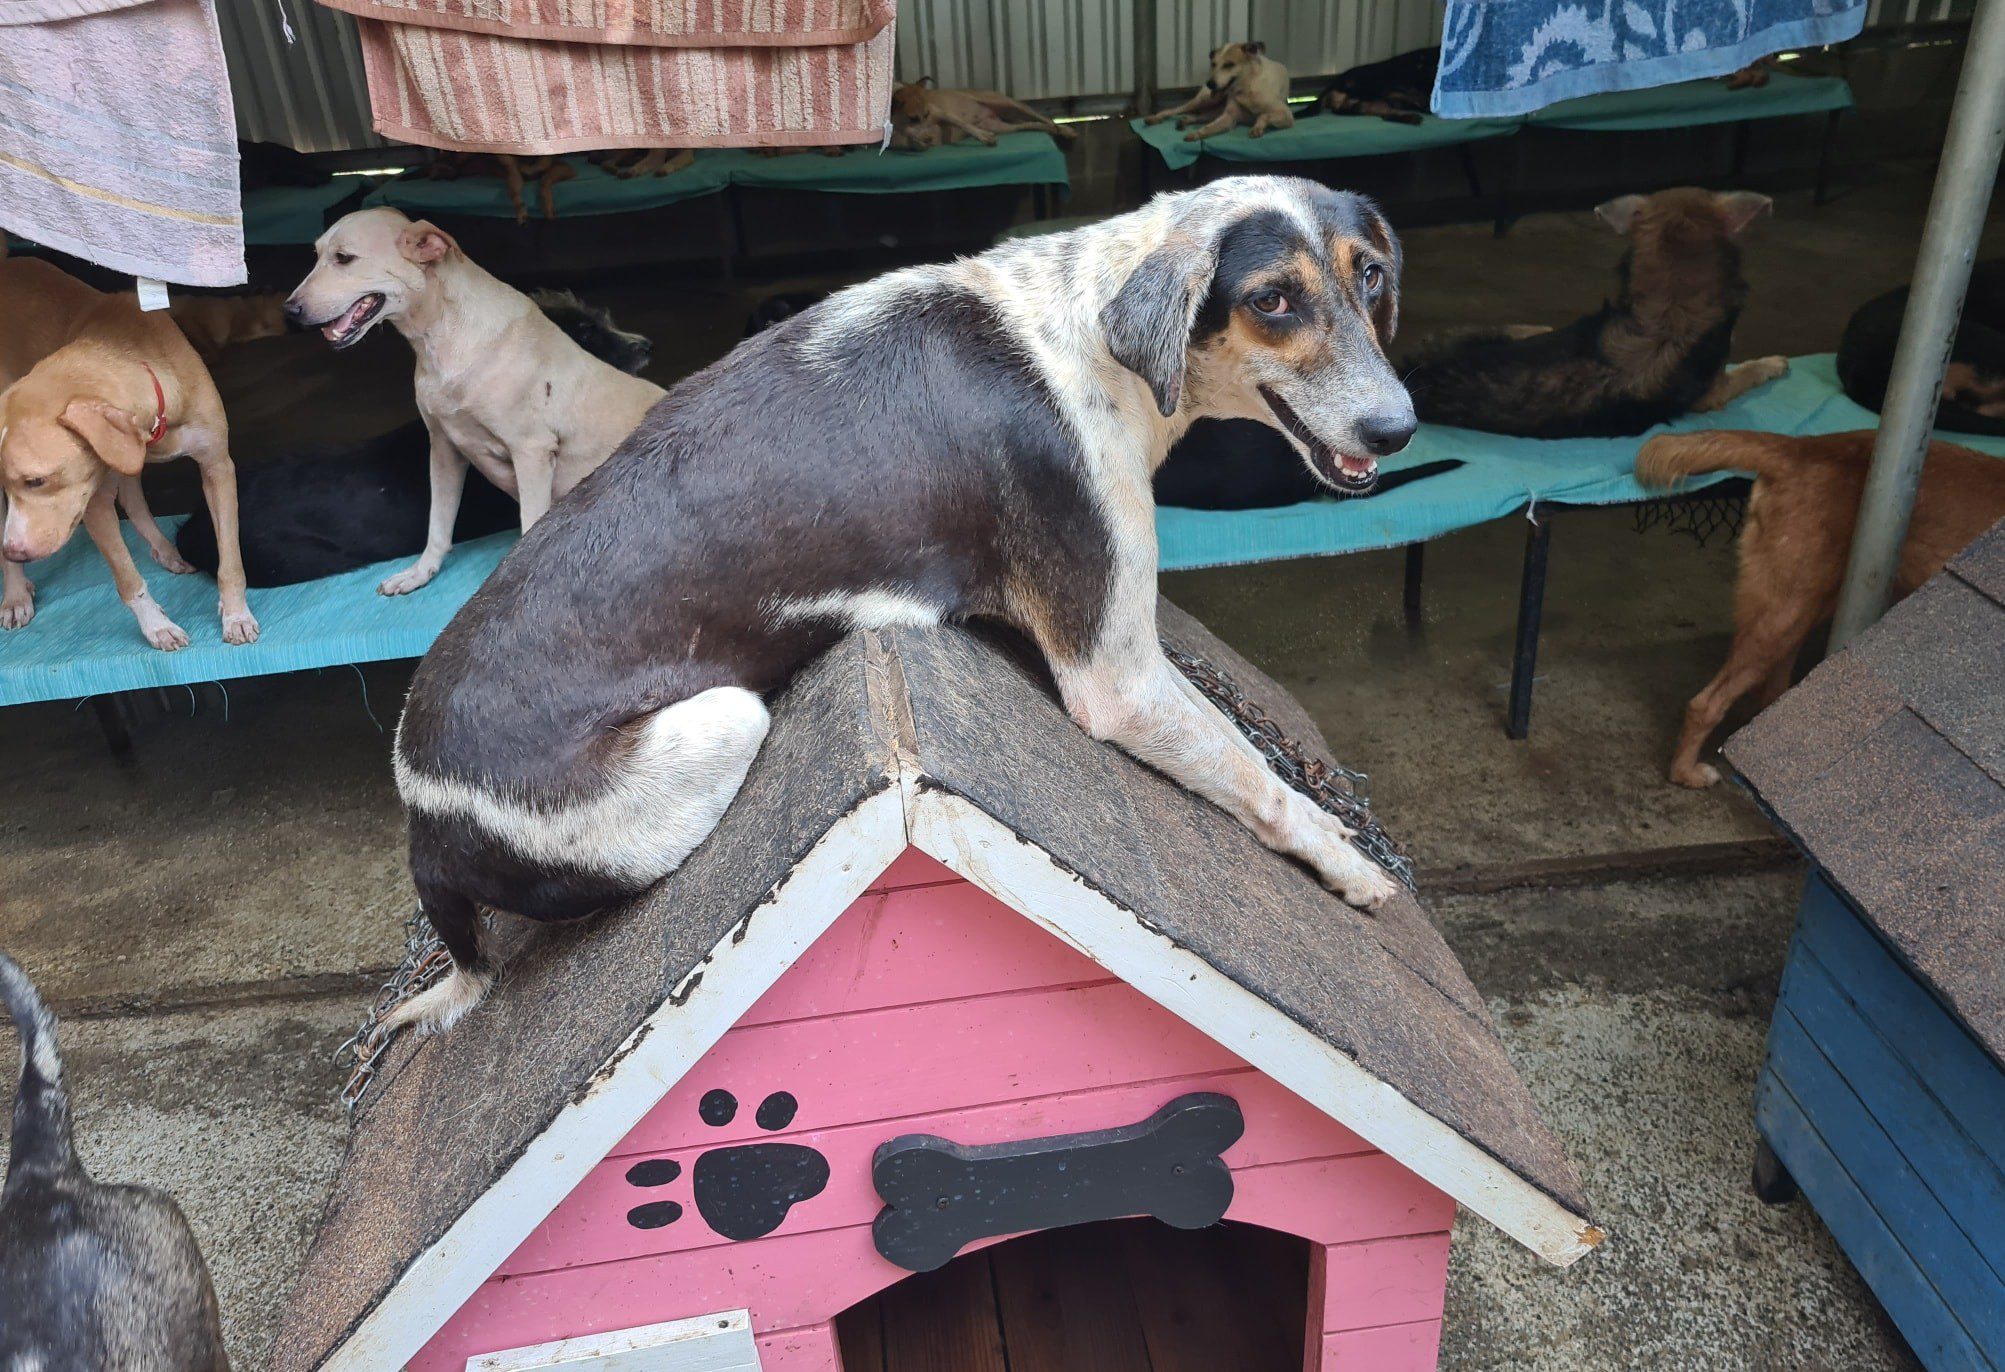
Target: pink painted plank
(914,1060)
(1389,1348)
(913,868)
(813,1349)
(793,1280)
(914,946)
(590,1224)
(1381,1281)
(1340,1200)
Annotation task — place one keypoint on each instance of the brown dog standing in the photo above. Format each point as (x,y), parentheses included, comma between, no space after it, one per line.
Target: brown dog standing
(1795,544)
(115,388)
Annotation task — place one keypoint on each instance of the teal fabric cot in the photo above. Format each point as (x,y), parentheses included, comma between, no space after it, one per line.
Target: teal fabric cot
(1326,137)
(282,215)
(1318,138)
(1017,159)
(83,641)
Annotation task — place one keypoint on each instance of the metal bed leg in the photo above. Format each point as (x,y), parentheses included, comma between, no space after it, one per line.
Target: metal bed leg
(1740,141)
(1503,217)
(1531,609)
(113,716)
(1416,554)
(1468,155)
(1823,192)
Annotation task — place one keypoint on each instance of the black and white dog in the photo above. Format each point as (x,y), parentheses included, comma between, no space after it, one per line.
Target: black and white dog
(974,439)
(92,1277)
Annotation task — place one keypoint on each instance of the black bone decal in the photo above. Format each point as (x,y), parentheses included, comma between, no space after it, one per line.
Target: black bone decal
(939,1196)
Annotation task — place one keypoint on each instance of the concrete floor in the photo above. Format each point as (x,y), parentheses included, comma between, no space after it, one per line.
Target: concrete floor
(208,919)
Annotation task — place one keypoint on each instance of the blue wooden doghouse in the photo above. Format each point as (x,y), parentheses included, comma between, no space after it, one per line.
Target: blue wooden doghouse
(1883,1096)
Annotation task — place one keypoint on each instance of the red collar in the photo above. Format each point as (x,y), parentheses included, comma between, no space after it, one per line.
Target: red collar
(160,408)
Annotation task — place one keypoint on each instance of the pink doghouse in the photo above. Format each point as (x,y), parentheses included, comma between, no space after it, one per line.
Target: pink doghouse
(948,971)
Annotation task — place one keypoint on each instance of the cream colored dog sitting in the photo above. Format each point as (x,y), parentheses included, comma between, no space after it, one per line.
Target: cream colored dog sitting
(498,384)
(1244,84)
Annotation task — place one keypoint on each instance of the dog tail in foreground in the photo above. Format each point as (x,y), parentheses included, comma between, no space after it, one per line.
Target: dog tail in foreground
(41,1141)
(1667,457)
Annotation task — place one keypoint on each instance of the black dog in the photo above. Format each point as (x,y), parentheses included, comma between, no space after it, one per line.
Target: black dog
(1397,89)
(1973,390)
(93,1278)
(1237,464)
(326,511)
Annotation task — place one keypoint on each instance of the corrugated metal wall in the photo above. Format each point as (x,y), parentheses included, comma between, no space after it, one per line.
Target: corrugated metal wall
(310,94)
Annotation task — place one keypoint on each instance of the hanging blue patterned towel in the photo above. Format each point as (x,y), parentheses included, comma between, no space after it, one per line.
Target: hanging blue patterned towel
(1506,57)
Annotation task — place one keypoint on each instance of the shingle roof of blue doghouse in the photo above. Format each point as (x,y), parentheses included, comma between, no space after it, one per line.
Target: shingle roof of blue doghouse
(1887,766)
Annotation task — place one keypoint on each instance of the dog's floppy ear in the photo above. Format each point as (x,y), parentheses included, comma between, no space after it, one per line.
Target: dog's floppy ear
(1741,207)
(1619,213)
(1385,311)
(425,243)
(1148,323)
(113,434)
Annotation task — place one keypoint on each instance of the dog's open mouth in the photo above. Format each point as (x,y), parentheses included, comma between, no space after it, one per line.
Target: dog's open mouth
(1345,472)
(354,321)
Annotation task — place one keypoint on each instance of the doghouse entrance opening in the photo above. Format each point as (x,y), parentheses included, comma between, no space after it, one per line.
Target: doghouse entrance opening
(1123,1296)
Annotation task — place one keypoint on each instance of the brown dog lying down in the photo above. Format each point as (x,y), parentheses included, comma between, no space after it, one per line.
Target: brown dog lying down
(109,389)
(1658,350)
(212,323)
(922,117)
(1245,85)
(1794,547)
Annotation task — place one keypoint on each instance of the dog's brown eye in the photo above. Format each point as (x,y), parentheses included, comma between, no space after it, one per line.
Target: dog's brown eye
(34,482)
(1271,302)
(1373,276)
(343,258)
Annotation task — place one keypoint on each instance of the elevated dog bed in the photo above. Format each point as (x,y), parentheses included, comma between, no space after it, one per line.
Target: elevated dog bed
(277,215)
(83,640)
(1017,159)
(1690,103)
(1319,138)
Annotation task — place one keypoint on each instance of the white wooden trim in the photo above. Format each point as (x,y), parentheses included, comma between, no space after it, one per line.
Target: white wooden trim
(704,1343)
(1023,877)
(663,1046)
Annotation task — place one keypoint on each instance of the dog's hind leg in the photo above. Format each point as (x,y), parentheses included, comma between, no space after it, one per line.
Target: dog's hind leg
(457,923)
(655,801)
(1763,647)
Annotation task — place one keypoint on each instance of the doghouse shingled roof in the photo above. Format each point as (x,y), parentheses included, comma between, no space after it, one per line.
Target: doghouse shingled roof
(1887,765)
(952,741)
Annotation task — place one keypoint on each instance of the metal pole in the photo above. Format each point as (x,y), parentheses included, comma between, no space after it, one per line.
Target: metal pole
(1145,56)
(1942,274)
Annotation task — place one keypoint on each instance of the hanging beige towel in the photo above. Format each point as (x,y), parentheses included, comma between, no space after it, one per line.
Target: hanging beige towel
(553,76)
(118,142)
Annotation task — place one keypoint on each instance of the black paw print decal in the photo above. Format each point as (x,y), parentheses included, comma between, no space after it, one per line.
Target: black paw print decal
(744,1191)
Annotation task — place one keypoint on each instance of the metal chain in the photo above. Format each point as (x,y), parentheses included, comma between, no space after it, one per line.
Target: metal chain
(424,963)
(1338,790)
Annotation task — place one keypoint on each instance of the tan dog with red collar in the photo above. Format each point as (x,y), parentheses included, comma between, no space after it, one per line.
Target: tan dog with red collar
(114,388)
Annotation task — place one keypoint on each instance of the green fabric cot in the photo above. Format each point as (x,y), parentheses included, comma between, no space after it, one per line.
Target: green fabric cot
(1319,137)
(1031,158)
(278,215)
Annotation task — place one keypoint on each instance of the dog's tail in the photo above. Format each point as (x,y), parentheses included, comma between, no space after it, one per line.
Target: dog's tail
(1665,458)
(41,1141)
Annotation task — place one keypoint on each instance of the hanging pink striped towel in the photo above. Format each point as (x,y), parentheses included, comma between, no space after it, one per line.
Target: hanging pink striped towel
(552,76)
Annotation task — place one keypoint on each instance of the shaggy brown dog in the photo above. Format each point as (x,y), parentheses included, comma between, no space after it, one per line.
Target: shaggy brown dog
(1795,543)
(212,323)
(923,117)
(1658,350)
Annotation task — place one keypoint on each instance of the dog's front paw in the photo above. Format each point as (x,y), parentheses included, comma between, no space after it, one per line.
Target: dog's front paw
(167,636)
(1765,369)
(16,611)
(1696,775)
(168,557)
(406,581)
(1364,886)
(1155,119)
(240,627)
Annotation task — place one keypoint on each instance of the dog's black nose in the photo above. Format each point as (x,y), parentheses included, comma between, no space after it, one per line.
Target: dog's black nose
(293,311)
(1385,434)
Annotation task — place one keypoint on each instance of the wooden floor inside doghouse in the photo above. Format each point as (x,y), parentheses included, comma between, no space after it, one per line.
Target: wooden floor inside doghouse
(1124,1296)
